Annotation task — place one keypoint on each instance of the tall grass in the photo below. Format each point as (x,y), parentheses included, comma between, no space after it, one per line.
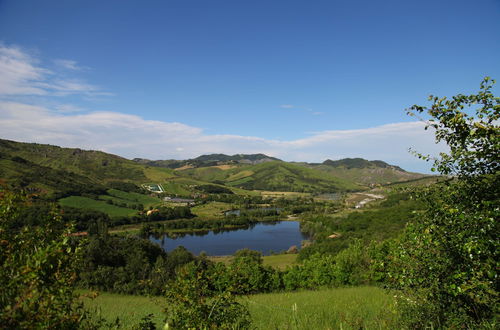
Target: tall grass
(341,308)
(128,309)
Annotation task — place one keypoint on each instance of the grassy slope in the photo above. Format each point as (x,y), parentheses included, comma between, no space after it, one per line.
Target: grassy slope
(133,197)
(369,175)
(92,204)
(94,166)
(274,176)
(42,177)
(341,308)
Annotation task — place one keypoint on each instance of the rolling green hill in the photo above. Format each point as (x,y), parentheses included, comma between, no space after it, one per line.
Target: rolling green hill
(365,172)
(23,173)
(208,160)
(273,176)
(70,171)
(55,169)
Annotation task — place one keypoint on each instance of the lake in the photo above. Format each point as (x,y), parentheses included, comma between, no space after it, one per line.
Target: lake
(263,237)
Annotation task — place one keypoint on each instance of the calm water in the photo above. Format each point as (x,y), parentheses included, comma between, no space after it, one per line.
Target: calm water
(263,237)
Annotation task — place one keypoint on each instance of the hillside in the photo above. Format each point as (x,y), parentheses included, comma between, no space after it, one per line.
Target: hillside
(73,171)
(273,176)
(244,171)
(54,168)
(365,172)
(208,160)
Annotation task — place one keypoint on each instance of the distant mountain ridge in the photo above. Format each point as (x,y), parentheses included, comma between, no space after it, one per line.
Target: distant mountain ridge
(55,169)
(209,160)
(241,158)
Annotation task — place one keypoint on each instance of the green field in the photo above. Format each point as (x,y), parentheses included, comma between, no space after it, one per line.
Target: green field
(175,188)
(212,210)
(117,197)
(92,204)
(129,309)
(133,197)
(341,308)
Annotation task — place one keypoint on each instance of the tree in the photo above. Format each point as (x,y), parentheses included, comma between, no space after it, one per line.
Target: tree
(193,302)
(472,135)
(37,269)
(447,260)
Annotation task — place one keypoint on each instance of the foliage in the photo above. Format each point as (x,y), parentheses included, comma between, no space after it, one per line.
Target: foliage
(383,221)
(194,302)
(447,260)
(37,269)
(349,267)
(213,189)
(246,275)
(128,265)
(125,186)
(83,218)
(472,135)
(169,213)
(248,255)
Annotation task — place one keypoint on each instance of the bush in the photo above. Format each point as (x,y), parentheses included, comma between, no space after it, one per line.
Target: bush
(37,270)
(447,261)
(194,303)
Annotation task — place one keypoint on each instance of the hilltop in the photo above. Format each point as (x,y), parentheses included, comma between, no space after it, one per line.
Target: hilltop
(262,172)
(209,160)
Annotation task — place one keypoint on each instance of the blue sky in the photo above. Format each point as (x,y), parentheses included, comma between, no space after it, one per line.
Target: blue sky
(300,80)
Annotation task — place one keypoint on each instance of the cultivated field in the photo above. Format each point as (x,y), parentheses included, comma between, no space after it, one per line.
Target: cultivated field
(97,205)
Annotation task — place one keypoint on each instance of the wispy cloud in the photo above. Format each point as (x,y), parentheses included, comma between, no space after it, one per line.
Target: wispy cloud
(68,108)
(69,65)
(21,74)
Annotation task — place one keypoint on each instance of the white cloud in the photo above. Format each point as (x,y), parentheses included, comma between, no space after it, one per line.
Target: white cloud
(22,75)
(19,74)
(132,136)
(287,106)
(68,65)
(67,108)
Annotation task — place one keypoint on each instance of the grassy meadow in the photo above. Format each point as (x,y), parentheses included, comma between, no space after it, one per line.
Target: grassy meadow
(340,308)
(133,197)
(212,210)
(97,205)
(128,308)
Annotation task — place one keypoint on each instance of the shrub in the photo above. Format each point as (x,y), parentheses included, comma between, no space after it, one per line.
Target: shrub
(37,270)
(194,302)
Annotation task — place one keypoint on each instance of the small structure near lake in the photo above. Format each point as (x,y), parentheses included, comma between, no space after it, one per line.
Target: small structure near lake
(179,200)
